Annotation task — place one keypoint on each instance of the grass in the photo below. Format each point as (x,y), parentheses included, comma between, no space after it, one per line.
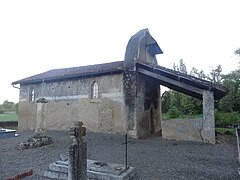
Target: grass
(8,116)
(182,116)
(231,131)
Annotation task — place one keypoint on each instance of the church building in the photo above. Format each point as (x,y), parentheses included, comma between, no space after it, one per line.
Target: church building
(117,97)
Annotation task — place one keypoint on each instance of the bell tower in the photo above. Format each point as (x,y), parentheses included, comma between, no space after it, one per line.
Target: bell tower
(141,47)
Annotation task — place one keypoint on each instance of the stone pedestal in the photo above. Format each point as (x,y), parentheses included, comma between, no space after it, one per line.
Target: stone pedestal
(75,165)
(41,116)
(97,170)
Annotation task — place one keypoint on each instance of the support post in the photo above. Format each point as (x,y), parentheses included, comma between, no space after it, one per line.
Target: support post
(208,128)
(238,141)
(126,155)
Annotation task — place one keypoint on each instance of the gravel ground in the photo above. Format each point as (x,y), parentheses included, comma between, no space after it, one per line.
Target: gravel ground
(153,158)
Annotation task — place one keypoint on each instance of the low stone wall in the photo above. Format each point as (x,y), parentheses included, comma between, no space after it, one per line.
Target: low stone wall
(183,129)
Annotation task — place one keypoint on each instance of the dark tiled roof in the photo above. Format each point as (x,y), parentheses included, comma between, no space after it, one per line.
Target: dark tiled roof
(74,72)
(117,67)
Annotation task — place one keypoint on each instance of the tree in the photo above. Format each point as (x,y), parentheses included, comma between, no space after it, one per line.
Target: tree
(8,106)
(181,67)
(215,74)
(166,101)
(179,102)
(237,53)
(191,105)
(231,102)
(199,74)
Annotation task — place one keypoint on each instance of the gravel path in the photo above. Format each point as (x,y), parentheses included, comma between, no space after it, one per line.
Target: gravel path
(154,157)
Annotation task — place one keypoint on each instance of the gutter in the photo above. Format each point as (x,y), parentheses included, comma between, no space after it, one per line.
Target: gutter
(15,86)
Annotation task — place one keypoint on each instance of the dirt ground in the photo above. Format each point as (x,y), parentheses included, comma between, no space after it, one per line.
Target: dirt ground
(153,157)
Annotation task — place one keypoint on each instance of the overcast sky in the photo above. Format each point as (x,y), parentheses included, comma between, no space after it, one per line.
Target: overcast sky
(36,36)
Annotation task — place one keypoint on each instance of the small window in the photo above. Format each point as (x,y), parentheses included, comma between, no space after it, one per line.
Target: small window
(94,90)
(31,95)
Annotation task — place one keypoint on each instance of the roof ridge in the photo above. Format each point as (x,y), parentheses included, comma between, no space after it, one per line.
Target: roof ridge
(71,72)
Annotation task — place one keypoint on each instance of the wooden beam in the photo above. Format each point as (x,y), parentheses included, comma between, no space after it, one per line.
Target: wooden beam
(172,83)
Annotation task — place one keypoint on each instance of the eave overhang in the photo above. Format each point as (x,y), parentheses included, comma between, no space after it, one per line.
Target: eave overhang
(180,82)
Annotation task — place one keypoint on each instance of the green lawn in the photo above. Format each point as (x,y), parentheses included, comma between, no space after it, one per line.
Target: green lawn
(8,116)
(227,130)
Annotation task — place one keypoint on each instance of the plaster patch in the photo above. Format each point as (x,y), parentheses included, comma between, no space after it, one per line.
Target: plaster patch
(114,96)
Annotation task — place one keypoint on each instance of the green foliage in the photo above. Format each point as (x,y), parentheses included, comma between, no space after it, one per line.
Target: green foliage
(178,105)
(187,105)
(166,104)
(1,111)
(181,67)
(182,116)
(215,74)
(226,119)
(7,106)
(237,53)
(231,102)
(199,74)
(173,113)
(190,105)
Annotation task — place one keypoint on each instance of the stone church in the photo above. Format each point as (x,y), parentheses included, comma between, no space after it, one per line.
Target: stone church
(116,97)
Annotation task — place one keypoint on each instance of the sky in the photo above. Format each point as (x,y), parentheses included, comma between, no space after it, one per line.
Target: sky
(36,36)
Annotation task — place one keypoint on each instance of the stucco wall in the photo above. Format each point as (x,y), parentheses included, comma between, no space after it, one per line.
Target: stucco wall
(27,115)
(69,101)
(183,129)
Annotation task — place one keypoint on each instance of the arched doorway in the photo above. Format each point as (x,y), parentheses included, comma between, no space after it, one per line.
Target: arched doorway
(152,120)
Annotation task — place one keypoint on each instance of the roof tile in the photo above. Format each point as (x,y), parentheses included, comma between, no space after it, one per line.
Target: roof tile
(73,72)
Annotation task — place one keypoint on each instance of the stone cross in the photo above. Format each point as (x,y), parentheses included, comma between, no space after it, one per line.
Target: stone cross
(77,164)
(81,130)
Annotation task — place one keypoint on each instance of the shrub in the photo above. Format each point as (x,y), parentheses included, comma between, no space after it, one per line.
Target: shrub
(173,113)
(1,111)
(226,119)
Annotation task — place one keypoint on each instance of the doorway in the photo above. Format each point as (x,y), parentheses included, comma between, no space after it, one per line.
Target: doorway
(152,121)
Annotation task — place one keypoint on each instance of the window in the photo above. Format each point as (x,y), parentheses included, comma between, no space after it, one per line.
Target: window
(94,90)
(31,95)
